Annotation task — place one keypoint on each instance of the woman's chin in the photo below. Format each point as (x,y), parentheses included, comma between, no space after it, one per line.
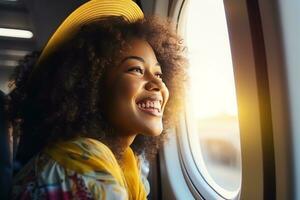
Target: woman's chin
(153,131)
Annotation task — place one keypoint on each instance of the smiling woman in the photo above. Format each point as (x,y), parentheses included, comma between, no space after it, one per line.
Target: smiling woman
(93,104)
(138,83)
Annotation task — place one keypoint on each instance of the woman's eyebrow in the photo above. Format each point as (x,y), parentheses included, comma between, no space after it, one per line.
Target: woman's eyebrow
(136,58)
(133,57)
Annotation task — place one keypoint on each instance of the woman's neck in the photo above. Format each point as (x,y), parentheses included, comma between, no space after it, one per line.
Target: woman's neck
(118,144)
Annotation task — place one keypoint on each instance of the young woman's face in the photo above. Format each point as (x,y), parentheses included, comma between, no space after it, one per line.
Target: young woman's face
(136,94)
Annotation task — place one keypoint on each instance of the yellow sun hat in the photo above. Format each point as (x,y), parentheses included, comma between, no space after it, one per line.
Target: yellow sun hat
(88,12)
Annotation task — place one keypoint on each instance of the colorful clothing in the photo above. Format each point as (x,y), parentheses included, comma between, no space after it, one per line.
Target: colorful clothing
(81,169)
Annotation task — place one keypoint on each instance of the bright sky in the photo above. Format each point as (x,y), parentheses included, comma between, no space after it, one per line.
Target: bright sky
(211,72)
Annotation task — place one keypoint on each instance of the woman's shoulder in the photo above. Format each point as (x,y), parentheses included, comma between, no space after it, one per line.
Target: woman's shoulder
(82,165)
(88,148)
(43,176)
(85,156)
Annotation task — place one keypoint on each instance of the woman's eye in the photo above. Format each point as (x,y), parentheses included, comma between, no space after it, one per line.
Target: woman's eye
(159,75)
(136,69)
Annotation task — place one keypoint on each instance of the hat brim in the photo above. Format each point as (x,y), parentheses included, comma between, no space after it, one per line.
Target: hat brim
(91,11)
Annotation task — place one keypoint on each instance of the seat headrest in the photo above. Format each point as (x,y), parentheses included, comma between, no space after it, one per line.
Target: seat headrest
(5,154)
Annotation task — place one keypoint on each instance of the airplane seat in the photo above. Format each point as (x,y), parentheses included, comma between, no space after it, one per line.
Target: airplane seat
(6,163)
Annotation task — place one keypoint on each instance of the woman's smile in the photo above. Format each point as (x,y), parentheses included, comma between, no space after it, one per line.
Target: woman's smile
(151,106)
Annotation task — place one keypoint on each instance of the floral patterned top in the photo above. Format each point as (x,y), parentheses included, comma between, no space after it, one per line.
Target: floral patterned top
(74,171)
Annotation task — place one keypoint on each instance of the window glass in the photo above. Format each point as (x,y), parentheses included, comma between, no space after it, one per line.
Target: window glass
(212,107)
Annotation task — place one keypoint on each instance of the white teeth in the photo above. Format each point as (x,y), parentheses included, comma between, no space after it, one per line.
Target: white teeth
(151,104)
(156,104)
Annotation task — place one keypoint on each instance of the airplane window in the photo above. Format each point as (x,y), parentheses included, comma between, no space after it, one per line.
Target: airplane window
(213,128)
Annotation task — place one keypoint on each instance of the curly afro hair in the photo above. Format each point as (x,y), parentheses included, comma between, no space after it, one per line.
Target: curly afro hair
(61,97)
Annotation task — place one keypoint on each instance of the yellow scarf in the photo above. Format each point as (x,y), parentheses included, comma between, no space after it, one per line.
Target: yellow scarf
(85,155)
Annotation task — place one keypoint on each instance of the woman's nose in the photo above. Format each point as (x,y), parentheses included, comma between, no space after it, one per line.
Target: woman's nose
(155,84)
(151,86)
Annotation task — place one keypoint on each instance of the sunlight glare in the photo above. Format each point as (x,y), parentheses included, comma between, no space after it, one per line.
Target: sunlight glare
(210,61)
